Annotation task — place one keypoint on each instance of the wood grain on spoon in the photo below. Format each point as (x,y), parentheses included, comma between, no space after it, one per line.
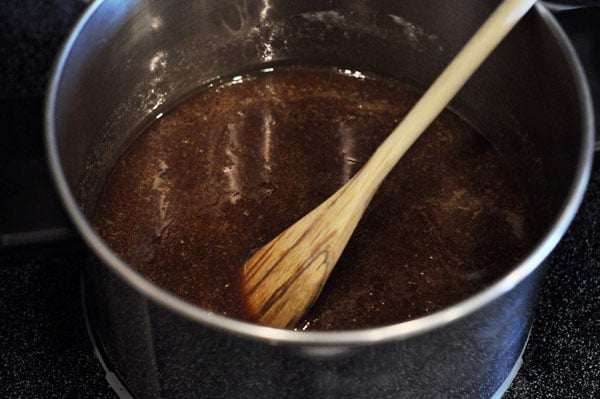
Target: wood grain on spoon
(284,278)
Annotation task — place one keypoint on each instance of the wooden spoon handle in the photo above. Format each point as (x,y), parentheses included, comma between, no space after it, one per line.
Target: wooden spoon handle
(445,87)
(284,277)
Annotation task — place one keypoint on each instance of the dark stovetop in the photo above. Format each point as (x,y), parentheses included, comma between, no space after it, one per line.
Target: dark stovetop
(44,347)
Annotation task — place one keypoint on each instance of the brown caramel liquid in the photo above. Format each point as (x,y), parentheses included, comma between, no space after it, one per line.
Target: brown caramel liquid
(224,172)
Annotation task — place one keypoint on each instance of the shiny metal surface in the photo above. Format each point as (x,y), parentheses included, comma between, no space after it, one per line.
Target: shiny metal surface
(127,61)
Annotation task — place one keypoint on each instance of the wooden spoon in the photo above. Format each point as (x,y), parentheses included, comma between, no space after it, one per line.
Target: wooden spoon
(283,278)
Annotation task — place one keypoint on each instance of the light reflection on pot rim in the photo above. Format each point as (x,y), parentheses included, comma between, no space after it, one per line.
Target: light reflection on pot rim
(362,337)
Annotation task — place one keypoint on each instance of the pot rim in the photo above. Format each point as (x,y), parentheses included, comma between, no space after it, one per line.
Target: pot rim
(402,330)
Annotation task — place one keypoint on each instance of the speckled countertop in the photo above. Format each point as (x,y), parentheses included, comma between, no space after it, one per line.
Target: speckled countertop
(44,348)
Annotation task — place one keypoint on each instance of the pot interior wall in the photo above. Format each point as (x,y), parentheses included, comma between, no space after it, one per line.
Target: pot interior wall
(135,59)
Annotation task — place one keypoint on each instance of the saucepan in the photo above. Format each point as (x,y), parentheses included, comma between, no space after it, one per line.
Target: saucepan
(128,60)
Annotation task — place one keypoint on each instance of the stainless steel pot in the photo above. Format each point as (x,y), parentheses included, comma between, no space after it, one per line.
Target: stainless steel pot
(126,61)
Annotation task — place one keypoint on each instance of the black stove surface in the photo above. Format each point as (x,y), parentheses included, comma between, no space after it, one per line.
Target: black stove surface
(45,351)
